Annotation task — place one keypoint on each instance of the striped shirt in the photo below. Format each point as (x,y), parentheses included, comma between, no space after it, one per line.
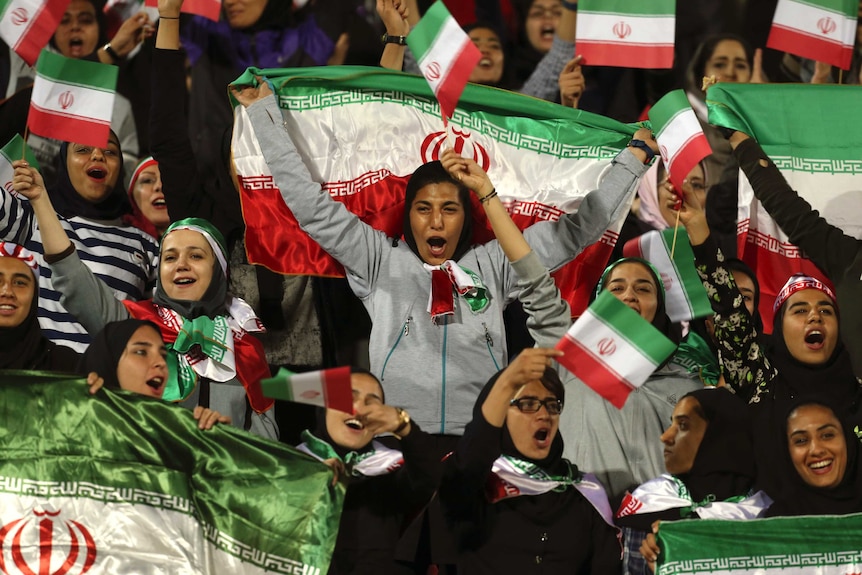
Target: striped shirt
(122,256)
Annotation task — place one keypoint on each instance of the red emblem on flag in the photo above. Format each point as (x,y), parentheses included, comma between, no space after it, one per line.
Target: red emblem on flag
(607,346)
(622,30)
(40,550)
(20,16)
(826,25)
(433,71)
(66,99)
(464,145)
(309,394)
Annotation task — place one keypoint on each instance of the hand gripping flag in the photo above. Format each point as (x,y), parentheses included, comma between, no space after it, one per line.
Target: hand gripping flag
(27,25)
(445,54)
(613,349)
(680,138)
(328,388)
(207,8)
(121,483)
(822,30)
(15,149)
(72,100)
(626,33)
(815,143)
(685,296)
(382,125)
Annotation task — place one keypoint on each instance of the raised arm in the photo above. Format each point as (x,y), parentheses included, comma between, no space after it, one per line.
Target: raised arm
(356,245)
(743,362)
(549,314)
(544,81)
(83,294)
(394,15)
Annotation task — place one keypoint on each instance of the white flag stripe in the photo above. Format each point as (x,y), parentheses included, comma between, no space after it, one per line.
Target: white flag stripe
(308,388)
(9,29)
(678,306)
(627,360)
(520,173)
(443,51)
(790,14)
(681,128)
(655,30)
(96,105)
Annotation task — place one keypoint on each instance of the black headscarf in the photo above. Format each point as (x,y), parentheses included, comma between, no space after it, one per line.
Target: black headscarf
(69,203)
(435,173)
(553,463)
(103,355)
(799,498)
(24,346)
(724,464)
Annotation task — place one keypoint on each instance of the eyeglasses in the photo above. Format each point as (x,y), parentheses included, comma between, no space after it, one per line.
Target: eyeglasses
(533,404)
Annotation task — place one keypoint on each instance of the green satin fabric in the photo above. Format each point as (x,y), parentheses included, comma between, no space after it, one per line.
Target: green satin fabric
(263,493)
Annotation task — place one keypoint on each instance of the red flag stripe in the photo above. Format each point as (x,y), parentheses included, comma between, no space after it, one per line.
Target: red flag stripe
(43,25)
(594,372)
(627,55)
(812,47)
(337,392)
(67,128)
(450,89)
(692,151)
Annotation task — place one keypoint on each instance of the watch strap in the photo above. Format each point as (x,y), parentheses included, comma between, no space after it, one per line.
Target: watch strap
(389,39)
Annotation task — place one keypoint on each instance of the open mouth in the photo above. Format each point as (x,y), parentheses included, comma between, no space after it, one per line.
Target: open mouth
(184,281)
(156,383)
(76,43)
(159,203)
(485,63)
(815,339)
(548,32)
(821,467)
(542,436)
(8,309)
(97,173)
(354,424)
(437,246)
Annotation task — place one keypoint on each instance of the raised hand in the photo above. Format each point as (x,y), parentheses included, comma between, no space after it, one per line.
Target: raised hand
(27,181)
(467,172)
(132,32)
(572,83)
(207,417)
(394,15)
(248,95)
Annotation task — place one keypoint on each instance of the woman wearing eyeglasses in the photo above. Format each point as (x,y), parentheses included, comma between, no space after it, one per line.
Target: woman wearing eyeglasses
(512,501)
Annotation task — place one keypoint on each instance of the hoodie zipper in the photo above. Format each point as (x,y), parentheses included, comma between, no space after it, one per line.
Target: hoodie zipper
(489,343)
(405,331)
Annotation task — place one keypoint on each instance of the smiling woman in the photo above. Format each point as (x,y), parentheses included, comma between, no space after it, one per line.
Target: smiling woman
(90,201)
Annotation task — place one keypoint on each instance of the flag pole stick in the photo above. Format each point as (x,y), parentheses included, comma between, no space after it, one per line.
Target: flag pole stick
(675,230)
(840,75)
(24,145)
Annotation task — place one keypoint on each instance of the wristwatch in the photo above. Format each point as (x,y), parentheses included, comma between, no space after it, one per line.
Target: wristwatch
(111,52)
(403,421)
(641,145)
(388,39)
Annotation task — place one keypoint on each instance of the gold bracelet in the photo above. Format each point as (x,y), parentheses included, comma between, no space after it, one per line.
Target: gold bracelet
(403,421)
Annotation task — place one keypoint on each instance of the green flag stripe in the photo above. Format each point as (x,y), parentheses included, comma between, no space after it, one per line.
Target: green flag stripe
(666,109)
(423,35)
(629,7)
(12,151)
(842,7)
(626,323)
(77,72)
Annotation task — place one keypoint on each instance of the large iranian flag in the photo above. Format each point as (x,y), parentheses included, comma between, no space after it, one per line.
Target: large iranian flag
(362,132)
(445,54)
(613,349)
(822,545)
(27,25)
(72,99)
(120,483)
(823,30)
(627,33)
(817,144)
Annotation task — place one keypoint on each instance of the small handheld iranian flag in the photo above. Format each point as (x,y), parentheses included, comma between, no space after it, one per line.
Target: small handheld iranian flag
(27,25)
(325,388)
(680,138)
(685,296)
(822,30)
(9,153)
(445,54)
(626,33)
(72,99)
(206,8)
(613,349)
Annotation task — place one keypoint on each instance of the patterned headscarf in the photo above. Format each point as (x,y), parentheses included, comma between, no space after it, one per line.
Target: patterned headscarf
(799,282)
